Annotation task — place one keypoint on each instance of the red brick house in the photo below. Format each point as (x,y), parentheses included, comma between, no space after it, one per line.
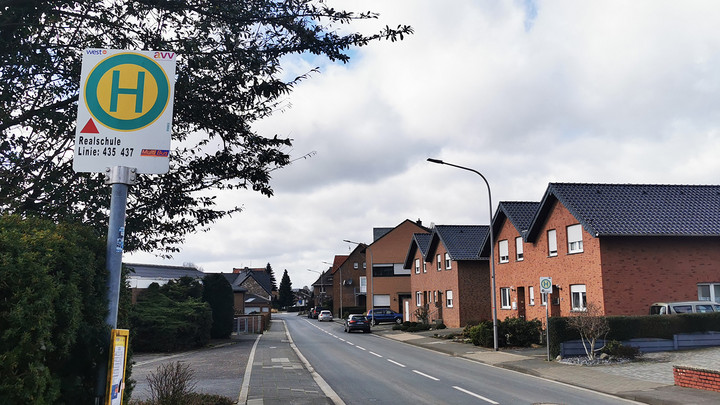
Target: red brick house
(447,276)
(349,280)
(619,246)
(388,280)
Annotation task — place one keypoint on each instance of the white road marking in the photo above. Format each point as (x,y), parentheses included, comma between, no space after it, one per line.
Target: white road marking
(425,375)
(476,395)
(395,362)
(361,348)
(375,354)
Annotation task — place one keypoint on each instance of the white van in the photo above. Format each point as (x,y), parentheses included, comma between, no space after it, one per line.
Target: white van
(684,307)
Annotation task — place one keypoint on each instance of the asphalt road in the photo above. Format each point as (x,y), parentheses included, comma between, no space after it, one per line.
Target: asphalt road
(365,368)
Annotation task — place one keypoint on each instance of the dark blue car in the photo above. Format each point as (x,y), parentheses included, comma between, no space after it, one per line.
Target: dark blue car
(384,316)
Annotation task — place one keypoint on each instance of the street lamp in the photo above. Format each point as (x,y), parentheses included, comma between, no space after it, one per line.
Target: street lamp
(321,286)
(492,246)
(372,289)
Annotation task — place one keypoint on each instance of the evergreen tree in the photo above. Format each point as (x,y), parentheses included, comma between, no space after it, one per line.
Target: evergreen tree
(217,292)
(286,295)
(271,273)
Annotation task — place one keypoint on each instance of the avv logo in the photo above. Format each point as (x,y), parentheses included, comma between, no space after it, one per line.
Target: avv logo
(127,92)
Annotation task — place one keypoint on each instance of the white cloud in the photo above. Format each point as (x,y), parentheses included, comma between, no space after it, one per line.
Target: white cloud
(599,91)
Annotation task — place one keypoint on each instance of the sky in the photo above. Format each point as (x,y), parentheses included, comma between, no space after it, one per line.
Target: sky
(525,92)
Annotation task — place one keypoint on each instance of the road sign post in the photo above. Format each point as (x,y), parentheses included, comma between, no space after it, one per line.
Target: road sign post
(546,288)
(124,128)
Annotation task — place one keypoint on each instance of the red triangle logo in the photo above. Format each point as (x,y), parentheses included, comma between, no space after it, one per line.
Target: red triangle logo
(90,128)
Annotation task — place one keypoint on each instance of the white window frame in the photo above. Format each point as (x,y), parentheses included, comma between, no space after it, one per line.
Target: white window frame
(417,266)
(435,295)
(713,294)
(578,295)
(503,250)
(552,243)
(424,266)
(449,298)
(418,298)
(531,294)
(439,262)
(363,284)
(519,249)
(448,263)
(356,266)
(505,298)
(574,239)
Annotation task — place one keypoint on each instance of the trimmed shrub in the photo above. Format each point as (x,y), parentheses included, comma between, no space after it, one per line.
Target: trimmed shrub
(481,334)
(617,349)
(520,332)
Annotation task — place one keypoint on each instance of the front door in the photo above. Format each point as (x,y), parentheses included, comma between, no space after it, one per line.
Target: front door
(521,302)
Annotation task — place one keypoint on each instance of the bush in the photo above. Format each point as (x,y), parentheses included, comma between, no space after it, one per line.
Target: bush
(481,334)
(617,349)
(520,332)
(173,384)
(164,325)
(440,326)
(52,311)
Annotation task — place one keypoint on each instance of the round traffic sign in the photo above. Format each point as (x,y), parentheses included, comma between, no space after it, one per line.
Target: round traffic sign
(127,92)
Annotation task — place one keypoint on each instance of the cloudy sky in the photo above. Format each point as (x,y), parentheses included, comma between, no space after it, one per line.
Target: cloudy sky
(525,92)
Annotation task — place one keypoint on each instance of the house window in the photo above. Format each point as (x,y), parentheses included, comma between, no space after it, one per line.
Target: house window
(504,255)
(364,265)
(439,262)
(505,297)
(424,266)
(417,266)
(435,294)
(428,294)
(709,292)
(574,236)
(543,299)
(383,270)
(448,266)
(578,299)
(363,284)
(448,298)
(418,299)
(552,242)
(531,294)
(518,249)
(355,265)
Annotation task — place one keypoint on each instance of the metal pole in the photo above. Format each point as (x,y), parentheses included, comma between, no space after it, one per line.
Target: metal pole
(120,178)
(492,246)
(547,324)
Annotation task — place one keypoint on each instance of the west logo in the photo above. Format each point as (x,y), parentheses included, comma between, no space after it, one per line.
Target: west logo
(127,91)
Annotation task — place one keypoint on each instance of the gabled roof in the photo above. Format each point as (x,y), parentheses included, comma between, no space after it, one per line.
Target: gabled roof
(379,233)
(163,272)
(232,278)
(419,241)
(519,213)
(339,260)
(256,299)
(324,279)
(635,209)
(259,275)
(463,242)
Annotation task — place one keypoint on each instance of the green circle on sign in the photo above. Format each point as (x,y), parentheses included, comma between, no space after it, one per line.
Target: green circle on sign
(102,116)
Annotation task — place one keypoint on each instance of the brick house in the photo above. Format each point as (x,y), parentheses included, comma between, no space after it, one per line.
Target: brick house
(349,280)
(252,289)
(388,280)
(323,289)
(621,247)
(447,276)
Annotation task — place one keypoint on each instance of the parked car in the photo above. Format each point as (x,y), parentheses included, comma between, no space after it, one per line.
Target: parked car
(683,307)
(357,322)
(384,315)
(325,315)
(314,312)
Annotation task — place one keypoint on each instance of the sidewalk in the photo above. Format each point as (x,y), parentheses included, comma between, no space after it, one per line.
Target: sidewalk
(278,376)
(650,386)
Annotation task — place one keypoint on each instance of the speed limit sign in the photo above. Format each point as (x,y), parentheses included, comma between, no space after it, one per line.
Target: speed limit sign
(546,285)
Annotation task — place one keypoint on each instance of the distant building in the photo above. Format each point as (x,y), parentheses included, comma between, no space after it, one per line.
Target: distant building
(142,275)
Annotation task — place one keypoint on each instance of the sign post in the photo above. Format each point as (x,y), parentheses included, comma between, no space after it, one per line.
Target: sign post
(546,288)
(123,128)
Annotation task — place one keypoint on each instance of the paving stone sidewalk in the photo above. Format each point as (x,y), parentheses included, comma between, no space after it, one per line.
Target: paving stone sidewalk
(278,375)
